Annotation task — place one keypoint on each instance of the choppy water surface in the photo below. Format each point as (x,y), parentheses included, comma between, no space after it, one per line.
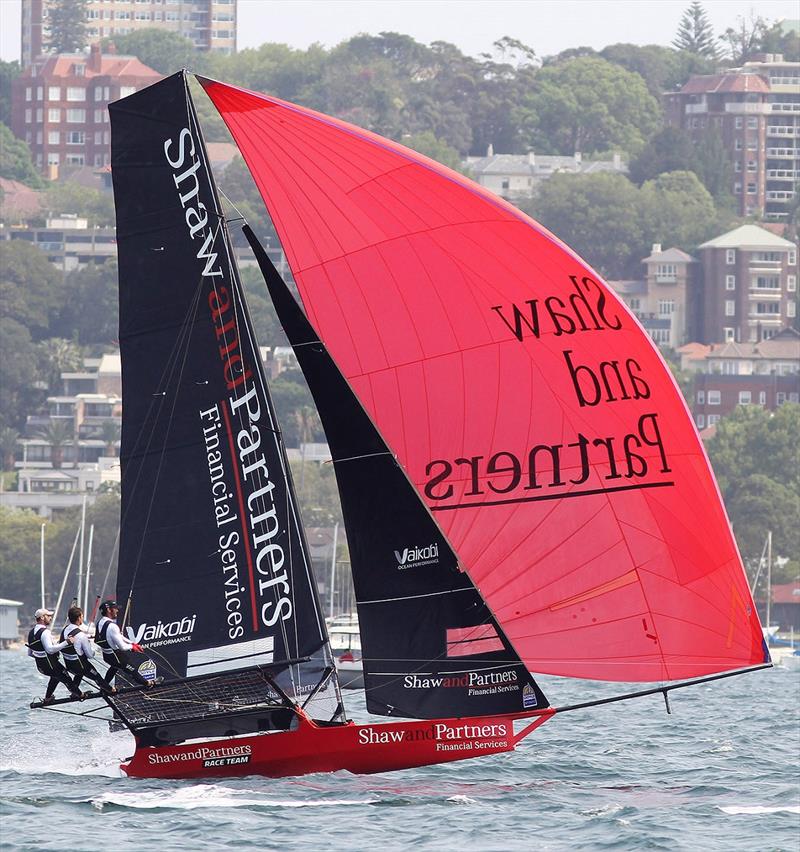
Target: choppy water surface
(720,773)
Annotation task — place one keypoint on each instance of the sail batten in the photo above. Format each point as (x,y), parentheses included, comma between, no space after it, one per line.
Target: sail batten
(519,395)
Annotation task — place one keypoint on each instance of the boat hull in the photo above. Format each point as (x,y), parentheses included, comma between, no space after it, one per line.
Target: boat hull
(361,749)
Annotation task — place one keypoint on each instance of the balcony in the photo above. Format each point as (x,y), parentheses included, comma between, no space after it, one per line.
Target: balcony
(696,109)
(790,107)
(769,265)
(765,319)
(783,153)
(761,293)
(750,109)
(784,81)
(782,174)
(787,130)
(780,195)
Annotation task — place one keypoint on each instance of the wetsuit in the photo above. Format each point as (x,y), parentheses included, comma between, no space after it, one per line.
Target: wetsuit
(77,656)
(116,652)
(45,655)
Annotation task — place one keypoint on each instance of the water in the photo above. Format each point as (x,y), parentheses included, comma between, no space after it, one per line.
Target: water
(718,774)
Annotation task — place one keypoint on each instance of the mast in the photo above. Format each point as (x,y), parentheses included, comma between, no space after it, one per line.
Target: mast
(41,562)
(66,575)
(88,572)
(769,579)
(333,564)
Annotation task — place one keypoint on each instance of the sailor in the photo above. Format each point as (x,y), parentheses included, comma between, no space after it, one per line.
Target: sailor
(115,647)
(45,654)
(76,657)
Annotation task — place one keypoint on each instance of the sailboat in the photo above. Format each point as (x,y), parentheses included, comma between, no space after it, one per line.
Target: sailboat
(522,486)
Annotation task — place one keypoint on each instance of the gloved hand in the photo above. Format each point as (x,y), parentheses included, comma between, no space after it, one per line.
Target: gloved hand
(137,648)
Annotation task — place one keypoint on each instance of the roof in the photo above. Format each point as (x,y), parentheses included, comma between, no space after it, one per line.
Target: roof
(784,346)
(786,593)
(629,287)
(701,84)
(110,364)
(749,236)
(109,65)
(541,165)
(220,154)
(7,602)
(671,255)
(18,199)
(695,351)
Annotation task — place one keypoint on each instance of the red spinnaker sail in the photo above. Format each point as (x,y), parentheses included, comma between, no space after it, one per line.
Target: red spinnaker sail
(534,416)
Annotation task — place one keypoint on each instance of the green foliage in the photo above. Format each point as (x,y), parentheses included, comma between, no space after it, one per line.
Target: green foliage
(8,447)
(89,309)
(28,286)
(9,71)
(661,68)
(426,143)
(743,41)
(695,34)
(15,160)
(57,355)
(161,50)
(678,210)
(88,203)
(237,184)
(66,27)
(20,533)
(319,495)
(589,105)
(778,40)
(291,396)
(265,322)
(598,215)
(754,456)
(57,433)
(19,394)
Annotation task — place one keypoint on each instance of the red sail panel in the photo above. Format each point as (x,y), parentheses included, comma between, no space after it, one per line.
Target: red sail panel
(532,413)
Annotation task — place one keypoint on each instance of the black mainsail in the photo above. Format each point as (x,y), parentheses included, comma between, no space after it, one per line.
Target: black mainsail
(214,573)
(431,647)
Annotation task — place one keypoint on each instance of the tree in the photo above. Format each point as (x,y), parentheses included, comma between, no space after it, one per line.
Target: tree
(29,286)
(56,356)
(426,143)
(695,34)
(20,533)
(90,307)
(661,68)
(66,27)
(598,215)
(57,433)
(161,50)
(754,456)
(15,160)
(779,40)
(678,210)
(110,433)
(9,71)
(744,40)
(8,447)
(588,105)
(19,393)
(71,197)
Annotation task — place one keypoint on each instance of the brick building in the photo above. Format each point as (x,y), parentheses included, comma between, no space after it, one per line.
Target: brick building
(749,286)
(59,105)
(209,24)
(731,374)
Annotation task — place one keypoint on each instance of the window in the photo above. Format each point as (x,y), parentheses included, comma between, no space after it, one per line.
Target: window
(752,144)
(79,70)
(38,137)
(54,93)
(701,397)
(28,93)
(701,421)
(780,398)
(752,123)
(76,116)
(98,93)
(751,188)
(767,282)
(53,137)
(76,93)
(730,308)
(98,137)
(713,419)
(124,91)
(28,116)
(76,160)
(98,159)
(54,115)
(666,307)
(730,256)
(660,335)
(76,137)
(730,282)
(792,257)
(39,93)
(739,123)
(635,303)
(745,397)
(737,166)
(752,166)
(762,397)
(791,283)
(737,188)
(714,397)
(53,158)
(666,271)
(791,309)
(730,334)
(768,308)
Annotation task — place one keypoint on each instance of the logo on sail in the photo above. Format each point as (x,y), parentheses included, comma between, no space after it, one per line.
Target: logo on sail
(414,557)
(162,633)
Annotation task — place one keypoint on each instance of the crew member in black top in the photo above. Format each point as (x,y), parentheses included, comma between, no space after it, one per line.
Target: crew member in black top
(45,654)
(115,647)
(76,657)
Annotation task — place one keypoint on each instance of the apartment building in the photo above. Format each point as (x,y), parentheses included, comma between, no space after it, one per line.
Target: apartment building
(59,105)
(749,286)
(756,111)
(68,241)
(209,24)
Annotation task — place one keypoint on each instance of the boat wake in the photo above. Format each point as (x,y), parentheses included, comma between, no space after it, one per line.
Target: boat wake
(212,796)
(759,809)
(101,756)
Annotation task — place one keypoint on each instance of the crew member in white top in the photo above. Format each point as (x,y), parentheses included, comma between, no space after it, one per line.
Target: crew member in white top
(115,647)
(76,658)
(45,654)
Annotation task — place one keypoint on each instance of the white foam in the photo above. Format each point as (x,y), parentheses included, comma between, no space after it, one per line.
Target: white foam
(460,800)
(607,810)
(211,796)
(759,809)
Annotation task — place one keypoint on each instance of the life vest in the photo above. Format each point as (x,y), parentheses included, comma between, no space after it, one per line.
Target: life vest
(37,647)
(100,637)
(69,653)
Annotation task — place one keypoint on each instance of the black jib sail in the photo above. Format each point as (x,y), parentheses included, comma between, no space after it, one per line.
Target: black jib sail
(431,648)
(214,574)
